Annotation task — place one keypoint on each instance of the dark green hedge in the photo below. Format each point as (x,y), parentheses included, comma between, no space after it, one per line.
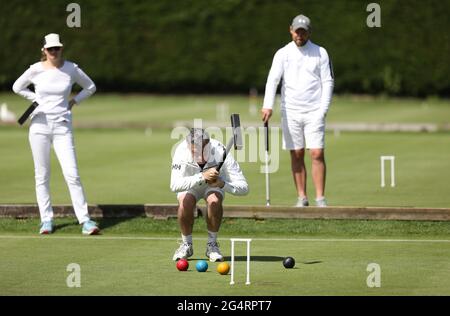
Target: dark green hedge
(228,45)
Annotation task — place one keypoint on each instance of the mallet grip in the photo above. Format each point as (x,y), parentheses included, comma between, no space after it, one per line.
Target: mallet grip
(266,134)
(27,113)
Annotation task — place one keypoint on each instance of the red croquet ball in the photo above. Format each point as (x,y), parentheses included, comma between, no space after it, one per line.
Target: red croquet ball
(182,265)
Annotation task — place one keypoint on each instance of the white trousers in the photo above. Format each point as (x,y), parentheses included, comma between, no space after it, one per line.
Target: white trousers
(42,134)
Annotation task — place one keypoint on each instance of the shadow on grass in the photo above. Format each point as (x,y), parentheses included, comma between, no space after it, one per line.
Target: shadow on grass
(311,262)
(102,223)
(256,258)
(105,223)
(113,215)
(267,259)
(62,226)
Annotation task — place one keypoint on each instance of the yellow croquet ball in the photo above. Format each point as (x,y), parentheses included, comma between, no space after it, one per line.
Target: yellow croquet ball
(223,268)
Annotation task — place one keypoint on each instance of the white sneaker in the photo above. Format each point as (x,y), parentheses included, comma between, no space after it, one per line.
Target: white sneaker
(213,252)
(183,252)
(302,202)
(321,202)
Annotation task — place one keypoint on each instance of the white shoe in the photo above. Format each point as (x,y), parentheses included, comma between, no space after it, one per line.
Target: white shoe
(321,202)
(46,228)
(302,202)
(183,252)
(213,252)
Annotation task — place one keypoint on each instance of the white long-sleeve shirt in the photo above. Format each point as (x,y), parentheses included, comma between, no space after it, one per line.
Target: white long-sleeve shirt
(307,78)
(187,174)
(52,88)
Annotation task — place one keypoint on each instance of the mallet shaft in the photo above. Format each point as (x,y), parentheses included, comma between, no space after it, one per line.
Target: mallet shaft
(266,135)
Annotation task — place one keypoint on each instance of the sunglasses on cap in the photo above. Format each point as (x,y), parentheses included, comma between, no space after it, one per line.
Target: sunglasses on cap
(56,49)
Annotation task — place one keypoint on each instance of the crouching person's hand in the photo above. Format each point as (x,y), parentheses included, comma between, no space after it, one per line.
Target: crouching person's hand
(210,175)
(218,183)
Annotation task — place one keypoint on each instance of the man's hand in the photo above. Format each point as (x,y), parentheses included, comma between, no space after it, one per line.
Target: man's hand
(266,114)
(218,183)
(71,104)
(210,175)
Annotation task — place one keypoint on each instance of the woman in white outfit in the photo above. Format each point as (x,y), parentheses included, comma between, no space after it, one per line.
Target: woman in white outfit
(51,123)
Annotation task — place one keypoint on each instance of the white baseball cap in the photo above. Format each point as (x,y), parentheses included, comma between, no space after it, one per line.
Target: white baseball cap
(301,21)
(52,40)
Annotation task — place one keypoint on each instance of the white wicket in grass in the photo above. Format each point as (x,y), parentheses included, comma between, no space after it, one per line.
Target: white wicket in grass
(253,102)
(392,160)
(233,240)
(222,111)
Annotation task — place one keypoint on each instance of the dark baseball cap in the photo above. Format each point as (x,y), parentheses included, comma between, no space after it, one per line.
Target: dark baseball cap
(301,21)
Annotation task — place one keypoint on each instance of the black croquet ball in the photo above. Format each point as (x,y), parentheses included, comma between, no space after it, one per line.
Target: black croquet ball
(289,262)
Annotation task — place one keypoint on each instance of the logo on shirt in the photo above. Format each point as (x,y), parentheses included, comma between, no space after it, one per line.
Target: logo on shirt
(176,167)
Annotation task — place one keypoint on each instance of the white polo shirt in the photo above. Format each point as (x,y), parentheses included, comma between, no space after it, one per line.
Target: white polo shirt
(307,79)
(52,88)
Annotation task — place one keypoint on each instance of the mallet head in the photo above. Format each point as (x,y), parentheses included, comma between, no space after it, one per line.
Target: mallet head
(237,132)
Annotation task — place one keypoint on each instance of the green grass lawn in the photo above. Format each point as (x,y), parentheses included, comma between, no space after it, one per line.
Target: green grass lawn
(132,167)
(133,257)
(165,110)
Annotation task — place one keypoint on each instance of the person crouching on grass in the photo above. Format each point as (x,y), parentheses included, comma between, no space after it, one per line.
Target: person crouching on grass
(51,124)
(194,177)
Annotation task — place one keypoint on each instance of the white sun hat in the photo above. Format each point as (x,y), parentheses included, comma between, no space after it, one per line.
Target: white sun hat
(52,40)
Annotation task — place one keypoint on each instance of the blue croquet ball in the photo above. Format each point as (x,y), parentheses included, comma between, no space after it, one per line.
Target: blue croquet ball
(201,266)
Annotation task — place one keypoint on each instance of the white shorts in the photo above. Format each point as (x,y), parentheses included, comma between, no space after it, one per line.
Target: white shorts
(202,191)
(301,128)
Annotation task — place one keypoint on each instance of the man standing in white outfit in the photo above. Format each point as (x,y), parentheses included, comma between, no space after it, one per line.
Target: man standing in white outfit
(195,177)
(306,94)
(51,124)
